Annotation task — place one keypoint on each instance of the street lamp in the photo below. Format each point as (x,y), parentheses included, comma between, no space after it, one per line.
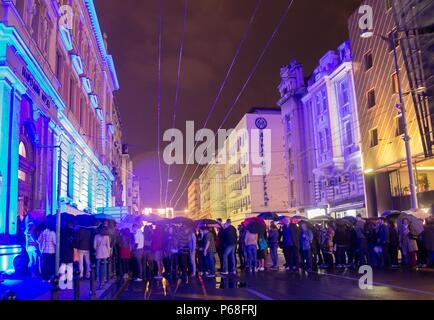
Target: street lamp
(366,33)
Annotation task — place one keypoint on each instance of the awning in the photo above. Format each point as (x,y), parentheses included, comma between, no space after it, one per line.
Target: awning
(348,206)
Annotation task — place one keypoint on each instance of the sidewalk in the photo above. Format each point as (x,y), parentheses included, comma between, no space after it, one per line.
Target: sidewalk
(28,288)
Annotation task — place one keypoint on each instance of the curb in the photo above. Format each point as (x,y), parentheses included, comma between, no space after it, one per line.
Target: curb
(115,290)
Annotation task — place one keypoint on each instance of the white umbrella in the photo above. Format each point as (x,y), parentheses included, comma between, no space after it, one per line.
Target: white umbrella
(416,224)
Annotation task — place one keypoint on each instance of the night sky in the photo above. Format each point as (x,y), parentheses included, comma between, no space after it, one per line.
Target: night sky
(213,32)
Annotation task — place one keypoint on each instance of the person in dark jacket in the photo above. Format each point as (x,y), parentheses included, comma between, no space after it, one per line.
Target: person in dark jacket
(241,246)
(383,241)
(273,243)
(342,240)
(229,242)
(82,244)
(428,235)
(393,244)
(291,245)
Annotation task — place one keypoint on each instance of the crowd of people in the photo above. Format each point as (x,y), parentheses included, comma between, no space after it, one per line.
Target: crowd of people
(172,251)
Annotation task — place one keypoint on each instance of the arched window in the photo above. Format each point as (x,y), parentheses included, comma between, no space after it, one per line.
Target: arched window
(22,150)
(19,4)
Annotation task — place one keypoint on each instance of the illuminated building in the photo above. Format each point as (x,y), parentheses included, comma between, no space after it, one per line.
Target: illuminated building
(381,126)
(194,199)
(322,138)
(247,177)
(56,100)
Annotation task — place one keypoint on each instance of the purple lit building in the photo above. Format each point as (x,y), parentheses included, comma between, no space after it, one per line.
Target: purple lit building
(322,137)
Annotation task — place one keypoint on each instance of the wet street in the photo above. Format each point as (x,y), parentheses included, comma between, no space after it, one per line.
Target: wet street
(281,285)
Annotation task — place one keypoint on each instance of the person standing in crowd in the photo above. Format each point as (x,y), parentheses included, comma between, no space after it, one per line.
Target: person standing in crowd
(429,240)
(209,251)
(273,242)
(291,244)
(361,254)
(67,255)
(342,241)
(192,243)
(316,248)
(241,246)
(200,256)
(138,252)
(251,243)
(306,238)
(327,247)
(157,249)
(218,243)
(262,250)
(101,244)
(393,244)
(170,253)
(407,243)
(384,242)
(82,243)
(148,262)
(125,247)
(229,242)
(183,254)
(32,249)
(47,241)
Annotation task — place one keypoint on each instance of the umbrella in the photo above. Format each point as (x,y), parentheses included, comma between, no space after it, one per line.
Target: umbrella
(281,218)
(86,220)
(416,224)
(149,218)
(418,213)
(255,220)
(268,215)
(391,214)
(103,216)
(300,218)
(322,218)
(351,219)
(129,219)
(344,221)
(256,227)
(183,220)
(207,222)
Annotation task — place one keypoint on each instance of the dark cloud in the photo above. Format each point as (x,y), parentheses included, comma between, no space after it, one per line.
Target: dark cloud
(214,29)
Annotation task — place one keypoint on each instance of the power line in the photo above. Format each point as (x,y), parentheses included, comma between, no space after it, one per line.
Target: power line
(223,84)
(265,49)
(175,103)
(160,32)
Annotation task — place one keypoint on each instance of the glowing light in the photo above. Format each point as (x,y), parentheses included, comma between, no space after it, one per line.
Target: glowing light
(318,212)
(368,171)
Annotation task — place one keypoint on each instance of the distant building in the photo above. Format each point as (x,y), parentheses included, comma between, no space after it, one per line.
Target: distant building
(212,192)
(127,178)
(381,126)
(194,199)
(136,203)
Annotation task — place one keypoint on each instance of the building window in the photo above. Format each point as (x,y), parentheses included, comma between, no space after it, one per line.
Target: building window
(395,86)
(368,61)
(22,150)
(371,99)
(399,126)
(318,104)
(70,182)
(344,93)
(81,111)
(71,93)
(58,66)
(324,100)
(373,134)
(348,133)
(321,142)
(19,4)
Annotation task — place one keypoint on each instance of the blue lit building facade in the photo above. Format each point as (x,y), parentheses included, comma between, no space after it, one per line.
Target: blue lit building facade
(56,100)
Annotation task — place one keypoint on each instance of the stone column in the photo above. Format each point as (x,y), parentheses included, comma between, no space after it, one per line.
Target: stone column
(11,90)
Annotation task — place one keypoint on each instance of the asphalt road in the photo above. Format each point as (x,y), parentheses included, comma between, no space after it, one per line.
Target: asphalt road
(281,285)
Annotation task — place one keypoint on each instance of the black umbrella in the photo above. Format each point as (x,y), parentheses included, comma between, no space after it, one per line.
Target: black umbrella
(350,219)
(322,218)
(255,227)
(268,216)
(148,218)
(206,222)
(86,220)
(183,220)
(344,222)
(303,218)
(103,216)
(391,214)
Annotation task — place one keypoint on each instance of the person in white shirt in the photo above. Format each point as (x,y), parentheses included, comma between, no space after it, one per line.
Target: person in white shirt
(139,242)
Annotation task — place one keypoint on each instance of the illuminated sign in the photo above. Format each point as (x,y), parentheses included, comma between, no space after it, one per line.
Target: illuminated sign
(35,87)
